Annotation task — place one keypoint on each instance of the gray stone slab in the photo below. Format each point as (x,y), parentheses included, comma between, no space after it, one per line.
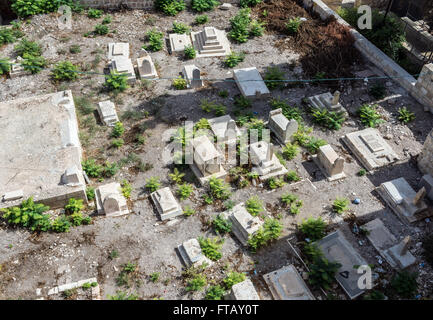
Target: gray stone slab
(427,183)
(250,82)
(191,253)
(110,200)
(178,42)
(244,291)
(166,203)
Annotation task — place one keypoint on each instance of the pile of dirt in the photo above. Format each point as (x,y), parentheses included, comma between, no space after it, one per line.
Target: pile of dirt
(324,46)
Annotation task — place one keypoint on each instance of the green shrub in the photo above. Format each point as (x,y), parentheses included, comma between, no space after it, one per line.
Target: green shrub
(374,295)
(5,66)
(249,3)
(234,59)
(201,19)
(293,25)
(288,111)
(275,183)
(197,283)
(118,130)
(126,188)
(222,225)
(256,124)
(313,229)
(189,52)
(110,169)
(233,278)
(65,71)
(181,28)
(288,198)
(271,230)
(322,273)
(61,224)
(243,102)
(185,191)
(254,206)
(90,192)
(273,78)
(203,5)
(202,124)
(25,8)
(155,39)
(75,49)
(362,172)
(117,143)
(257,28)
(313,144)
(211,248)
(370,117)
(94,13)
(340,205)
(170,7)
(328,119)
(101,29)
(92,169)
(405,284)
(107,20)
(33,64)
(290,151)
(154,277)
(215,293)
(219,189)
(176,176)
(74,206)
(292,176)
(405,116)
(152,184)
(6,36)
(28,47)
(240,26)
(120,295)
(179,83)
(188,211)
(116,82)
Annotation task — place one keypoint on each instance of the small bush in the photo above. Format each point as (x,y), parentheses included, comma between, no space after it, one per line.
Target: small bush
(405,116)
(313,229)
(110,169)
(118,130)
(176,176)
(249,3)
(223,93)
(322,273)
(92,169)
(219,189)
(203,5)
(405,284)
(152,184)
(328,119)
(197,283)
(273,78)
(179,83)
(155,40)
(61,224)
(117,143)
(90,192)
(211,248)
(170,7)
(292,176)
(215,293)
(65,71)
(189,52)
(126,188)
(74,206)
(6,36)
(101,29)
(275,183)
(288,198)
(116,82)
(271,230)
(75,49)
(185,191)
(5,66)
(362,172)
(369,115)
(181,28)
(107,20)
(94,13)
(33,64)
(28,47)
(257,28)
(233,278)
(290,151)
(234,59)
(243,102)
(201,19)
(240,26)
(288,111)
(188,211)
(313,144)
(222,225)
(340,205)
(378,91)
(154,277)
(293,25)
(254,206)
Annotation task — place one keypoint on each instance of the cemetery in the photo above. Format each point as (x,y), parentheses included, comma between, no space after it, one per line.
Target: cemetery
(237,153)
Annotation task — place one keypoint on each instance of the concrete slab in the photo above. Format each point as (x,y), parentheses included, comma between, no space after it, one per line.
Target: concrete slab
(211,42)
(39,142)
(17,69)
(123,65)
(110,200)
(370,148)
(244,291)
(250,83)
(118,49)
(336,248)
(178,42)
(107,113)
(287,284)
(265,162)
(191,254)
(327,101)
(166,203)
(329,163)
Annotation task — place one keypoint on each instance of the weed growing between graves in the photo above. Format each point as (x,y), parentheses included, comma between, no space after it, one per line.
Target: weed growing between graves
(30,47)
(154,277)
(189,52)
(211,248)
(273,78)
(95,170)
(90,192)
(249,3)
(340,205)
(201,19)
(65,71)
(288,111)
(176,176)
(203,5)
(293,25)
(378,91)
(292,201)
(170,7)
(240,26)
(254,206)
(5,66)
(313,229)
(290,151)
(34,64)
(101,30)
(275,183)
(180,28)
(405,285)
(155,39)
(118,130)
(88,285)
(271,230)
(322,272)
(152,184)
(179,83)
(121,295)
(107,20)
(219,190)
(405,116)
(215,293)
(127,275)
(94,13)
(197,283)
(126,188)
(74,49)
(362,172)
(233,59)
(233,278)
(369,115)
(328,119)
(116,82)
(221,225)
(185,191)
(188,211)
(374,295)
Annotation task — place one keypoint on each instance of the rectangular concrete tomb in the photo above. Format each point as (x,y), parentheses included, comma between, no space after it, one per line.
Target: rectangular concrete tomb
(370,148)
(192,76)
(124,66)
(107,113)
(211,42)
(244,225)
(191,253)
(166,204)
(282,127)
(110,200)
(265,162)
(336,248)
(178,42)
(287,284)
(17,69)
(330,163)
(403,200)
(250,83)
(146,68)
(224,128)
(243,291)
(327,101)
(118,49)
(386,244)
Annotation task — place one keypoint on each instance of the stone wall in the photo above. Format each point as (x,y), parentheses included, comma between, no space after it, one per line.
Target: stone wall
(421,90)
(417,36)
(425,159)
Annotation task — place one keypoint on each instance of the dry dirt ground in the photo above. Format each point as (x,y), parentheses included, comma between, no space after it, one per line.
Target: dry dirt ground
(30,261)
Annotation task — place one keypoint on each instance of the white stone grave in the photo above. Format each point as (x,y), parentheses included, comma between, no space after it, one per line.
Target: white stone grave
(107,113)
(118,49)
(224,128)
(178,42)
(282,127)
(250,83)
(124,66)
(192,76)
(146,67)
(191,253)
(243,291)
(110,200)
(265,162)
(211,42)
(166,203)
(329,163)
(327,101)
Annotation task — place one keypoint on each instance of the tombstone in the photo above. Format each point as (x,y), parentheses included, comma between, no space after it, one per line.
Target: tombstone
(191,254)
(287,284)
(124,66)
(207,160)
(224,128)
(146,68)
(119,49)
(192,76)
(427,183)
(110,201)
(281,126)
(210,42)
(329,163)
(243,291)
(250,83)
(370,148)
(17,69)
(13,195)
(327,101)
(336,248)
(403,200)
(401,254)
(178,42)
(244,225)
(107,113)
(348,4)
(386,244)
(166,204)
(72,176)
(265,162)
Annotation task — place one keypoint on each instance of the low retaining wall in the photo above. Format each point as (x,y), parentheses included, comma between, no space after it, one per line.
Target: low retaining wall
(421,90)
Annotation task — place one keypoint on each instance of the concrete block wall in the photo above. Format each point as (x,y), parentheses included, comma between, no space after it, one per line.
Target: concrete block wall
(421,90)
(425,159)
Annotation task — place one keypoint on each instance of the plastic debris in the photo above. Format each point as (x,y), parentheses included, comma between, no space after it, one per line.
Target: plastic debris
(357,201)
(355,228)
(427,220)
